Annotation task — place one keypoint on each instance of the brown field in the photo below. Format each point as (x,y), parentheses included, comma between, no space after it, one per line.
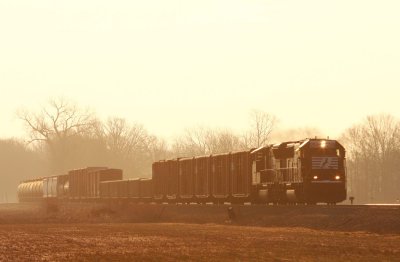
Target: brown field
(52,239)
(190,242)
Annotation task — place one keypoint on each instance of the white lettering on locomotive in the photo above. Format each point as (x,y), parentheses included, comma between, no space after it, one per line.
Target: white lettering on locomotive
(325,163)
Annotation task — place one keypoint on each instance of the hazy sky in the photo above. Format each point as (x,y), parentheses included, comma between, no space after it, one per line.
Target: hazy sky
(176,64)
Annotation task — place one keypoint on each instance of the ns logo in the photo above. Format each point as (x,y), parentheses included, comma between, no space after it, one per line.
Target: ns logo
(325,163)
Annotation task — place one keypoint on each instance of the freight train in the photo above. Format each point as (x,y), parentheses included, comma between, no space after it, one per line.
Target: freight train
(308,171)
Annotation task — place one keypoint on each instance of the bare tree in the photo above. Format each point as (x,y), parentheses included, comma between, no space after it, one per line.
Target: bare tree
(158,148)
(224,141)
(129,146)
(125,139)
(72,137)
(204,141)
(54,127)
(374,158)
(262,124)
(57,120)
(193,142)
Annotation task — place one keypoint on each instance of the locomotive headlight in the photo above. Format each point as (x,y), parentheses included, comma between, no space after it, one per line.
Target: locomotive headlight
(337,177)
(323,144)
(315,177)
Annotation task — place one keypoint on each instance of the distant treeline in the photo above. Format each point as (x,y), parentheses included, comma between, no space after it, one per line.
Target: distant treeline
(373,159)
(63,136)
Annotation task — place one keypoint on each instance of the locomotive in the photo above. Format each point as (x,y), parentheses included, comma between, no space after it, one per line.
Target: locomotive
(307,171)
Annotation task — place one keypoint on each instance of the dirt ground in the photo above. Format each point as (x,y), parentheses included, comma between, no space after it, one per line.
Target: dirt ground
(189,242)
(171,233)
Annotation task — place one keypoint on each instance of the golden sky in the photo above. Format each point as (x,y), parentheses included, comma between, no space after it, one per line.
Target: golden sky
(176,64)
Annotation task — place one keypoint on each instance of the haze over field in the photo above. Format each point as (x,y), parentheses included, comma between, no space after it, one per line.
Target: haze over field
(125,123)
(176,64)
(167,79)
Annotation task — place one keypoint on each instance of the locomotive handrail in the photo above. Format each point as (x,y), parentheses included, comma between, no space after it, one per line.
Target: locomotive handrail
(284,174)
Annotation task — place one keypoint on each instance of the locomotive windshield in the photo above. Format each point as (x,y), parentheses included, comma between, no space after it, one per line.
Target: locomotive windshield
(325,152)
(325,148)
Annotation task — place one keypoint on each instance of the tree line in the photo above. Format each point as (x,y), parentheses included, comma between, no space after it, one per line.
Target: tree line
(63,136)
(373,159)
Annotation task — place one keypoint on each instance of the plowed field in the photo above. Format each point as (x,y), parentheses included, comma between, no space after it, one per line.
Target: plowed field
(27,233)
(188,242)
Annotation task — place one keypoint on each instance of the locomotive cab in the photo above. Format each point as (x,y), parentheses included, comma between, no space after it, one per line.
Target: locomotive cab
(323,169)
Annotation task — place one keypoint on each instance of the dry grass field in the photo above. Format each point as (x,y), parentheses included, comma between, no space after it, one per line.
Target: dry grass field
(29,235)
(189,242)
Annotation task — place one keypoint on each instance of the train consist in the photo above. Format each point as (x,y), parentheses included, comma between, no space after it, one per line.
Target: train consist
(306,171)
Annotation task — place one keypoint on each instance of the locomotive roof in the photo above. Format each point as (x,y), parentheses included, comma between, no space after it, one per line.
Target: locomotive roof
(317,141)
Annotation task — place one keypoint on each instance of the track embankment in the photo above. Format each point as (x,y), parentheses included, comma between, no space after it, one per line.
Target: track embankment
(377,219)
